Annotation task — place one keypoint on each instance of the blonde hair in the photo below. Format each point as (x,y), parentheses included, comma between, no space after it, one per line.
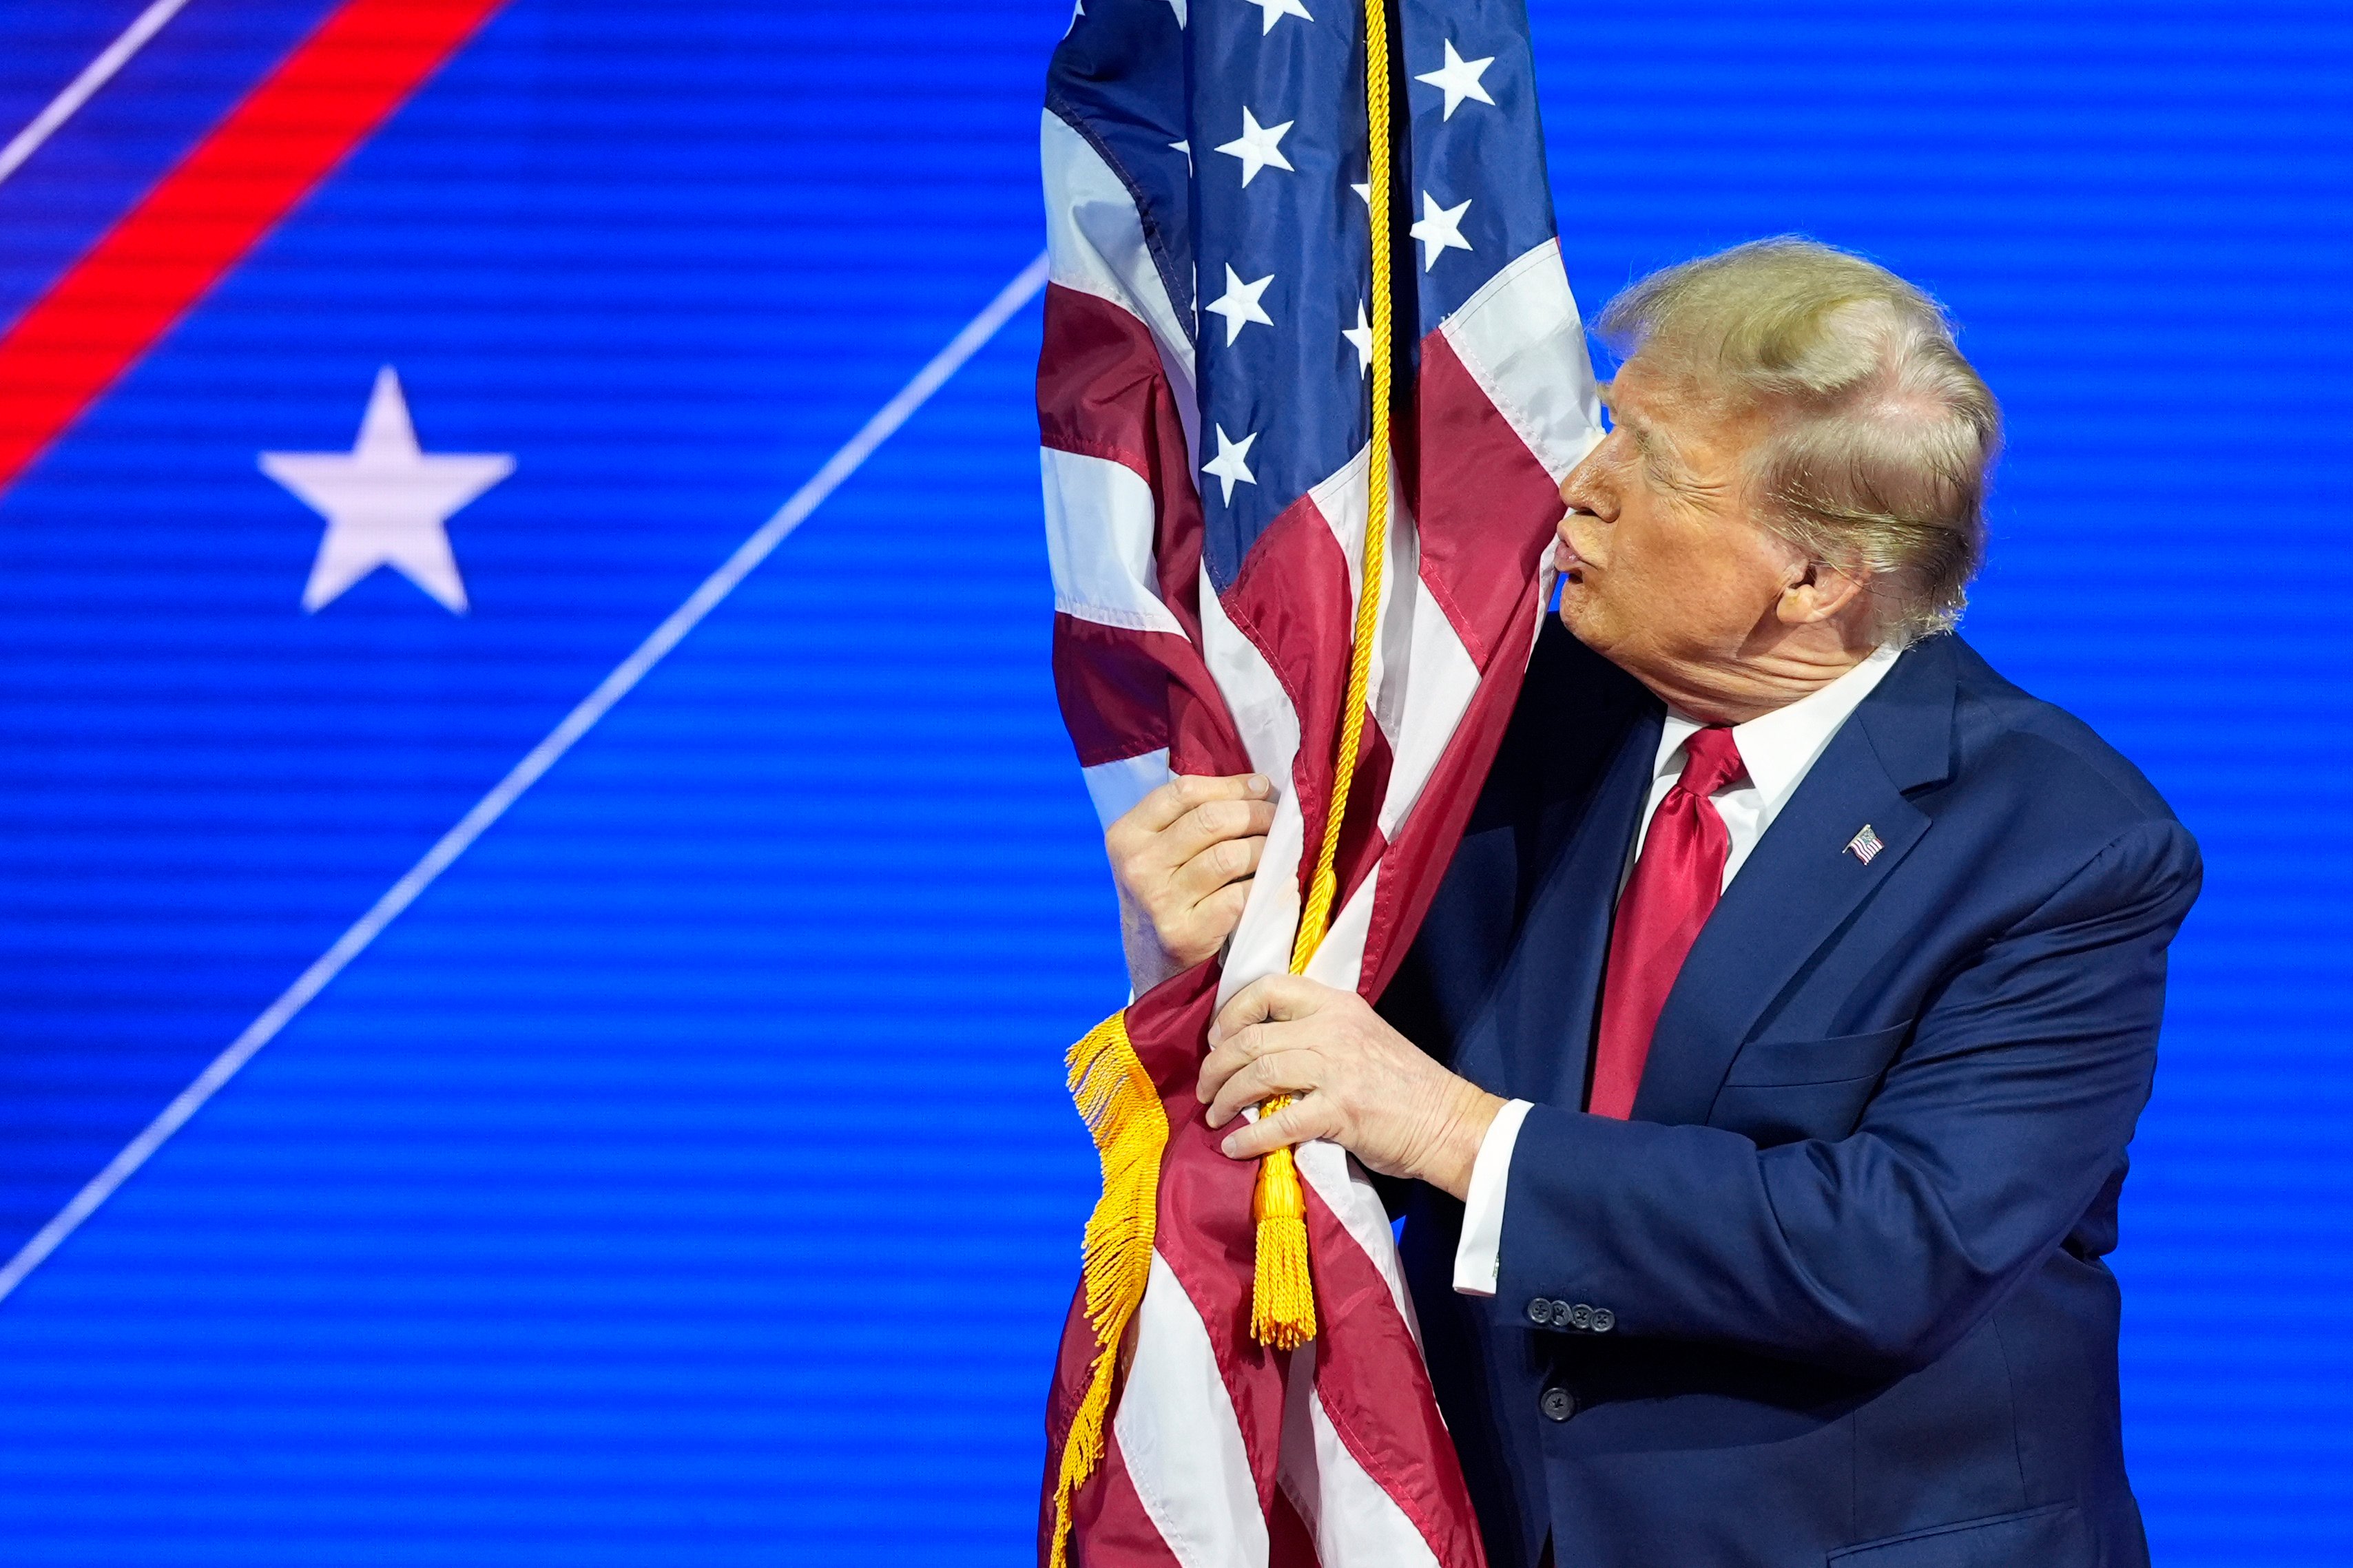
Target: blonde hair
(1880,437)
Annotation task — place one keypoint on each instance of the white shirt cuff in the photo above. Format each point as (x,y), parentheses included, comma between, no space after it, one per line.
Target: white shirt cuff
(1478,1257)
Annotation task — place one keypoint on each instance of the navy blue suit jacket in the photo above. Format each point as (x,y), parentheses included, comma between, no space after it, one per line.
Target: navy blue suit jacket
(1848,1249)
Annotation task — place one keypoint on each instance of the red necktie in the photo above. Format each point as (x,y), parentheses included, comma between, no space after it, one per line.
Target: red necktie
(1674,888)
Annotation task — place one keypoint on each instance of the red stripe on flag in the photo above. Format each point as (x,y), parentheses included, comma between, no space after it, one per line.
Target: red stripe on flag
(1103,393)
(1427,838)
(1484,505)
(1110,1527)
(233,187)
(1377,1396)
(1114,684)
(1205,1233)
(1289,1544)
(1293,602)
(1125,693)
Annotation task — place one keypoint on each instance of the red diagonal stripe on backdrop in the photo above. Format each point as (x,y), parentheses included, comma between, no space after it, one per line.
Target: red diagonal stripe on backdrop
(165,253)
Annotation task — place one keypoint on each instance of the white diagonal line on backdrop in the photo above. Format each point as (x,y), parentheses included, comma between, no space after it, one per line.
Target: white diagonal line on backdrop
(78,91)
(526,773)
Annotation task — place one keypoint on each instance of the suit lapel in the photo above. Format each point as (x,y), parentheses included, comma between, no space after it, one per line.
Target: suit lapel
(1804,881)
(1531,1039)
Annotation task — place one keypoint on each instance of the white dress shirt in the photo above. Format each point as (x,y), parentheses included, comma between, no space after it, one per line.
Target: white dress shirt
(1779,750)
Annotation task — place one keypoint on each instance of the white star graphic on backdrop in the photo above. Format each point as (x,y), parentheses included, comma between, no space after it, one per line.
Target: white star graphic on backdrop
(386,502)
(1184,147)
(1178,7)
(1274,11)
(1228,465)
(1238,304)
(1458,79)
(1441,229)
(1258,147)
(1363,194)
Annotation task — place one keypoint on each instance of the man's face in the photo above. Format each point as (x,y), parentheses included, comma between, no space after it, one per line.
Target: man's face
(1663,571)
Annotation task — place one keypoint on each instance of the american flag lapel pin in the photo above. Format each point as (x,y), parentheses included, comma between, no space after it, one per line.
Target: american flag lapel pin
(1864,845)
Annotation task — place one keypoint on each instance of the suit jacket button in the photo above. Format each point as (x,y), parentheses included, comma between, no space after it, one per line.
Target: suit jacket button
(1540,1310)
(1604,1319)
(1560,1311)
(1580,1316)
(1558,1403)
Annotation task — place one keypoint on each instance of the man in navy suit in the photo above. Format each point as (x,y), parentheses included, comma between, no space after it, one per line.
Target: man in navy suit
(1766,1064)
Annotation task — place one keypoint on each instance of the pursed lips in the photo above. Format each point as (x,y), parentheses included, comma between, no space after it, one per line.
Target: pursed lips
(1564,558)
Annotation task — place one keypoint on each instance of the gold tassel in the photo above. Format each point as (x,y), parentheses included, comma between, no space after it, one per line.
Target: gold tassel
(1123,1112)
(1283,1294)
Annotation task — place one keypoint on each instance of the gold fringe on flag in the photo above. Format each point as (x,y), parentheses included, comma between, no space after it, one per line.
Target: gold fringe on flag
(1283,1294)
(1123,1112)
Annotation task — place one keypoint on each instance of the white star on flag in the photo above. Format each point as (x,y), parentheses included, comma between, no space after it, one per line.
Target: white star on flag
(1441,229)
(1361,334)
(1274,11)
(1227,466)
(1363,194)
(387,502)
(1186,147)
(1458,79)
(1238,304)
(1258,147)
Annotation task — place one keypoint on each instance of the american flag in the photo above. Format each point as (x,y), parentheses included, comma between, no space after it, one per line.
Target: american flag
(1204,406)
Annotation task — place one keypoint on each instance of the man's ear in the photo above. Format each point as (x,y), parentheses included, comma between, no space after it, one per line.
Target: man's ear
(1817,591)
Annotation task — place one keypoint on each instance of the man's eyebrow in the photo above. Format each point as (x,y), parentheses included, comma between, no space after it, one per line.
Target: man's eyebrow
(1663,459)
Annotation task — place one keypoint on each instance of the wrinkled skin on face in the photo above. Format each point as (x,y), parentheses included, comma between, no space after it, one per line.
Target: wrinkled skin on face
(1668,572)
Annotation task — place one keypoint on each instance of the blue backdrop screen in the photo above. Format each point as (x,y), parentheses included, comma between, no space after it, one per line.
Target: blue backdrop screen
(684,1178)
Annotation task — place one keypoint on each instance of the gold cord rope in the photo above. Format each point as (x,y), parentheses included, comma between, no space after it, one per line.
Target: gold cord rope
(1282,1294)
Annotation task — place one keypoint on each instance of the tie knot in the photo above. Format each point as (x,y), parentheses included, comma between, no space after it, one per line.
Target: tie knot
(1711,761)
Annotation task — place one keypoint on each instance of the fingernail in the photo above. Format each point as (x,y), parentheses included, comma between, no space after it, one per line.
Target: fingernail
(1226,1148)
(1259,783)
(1215,1034)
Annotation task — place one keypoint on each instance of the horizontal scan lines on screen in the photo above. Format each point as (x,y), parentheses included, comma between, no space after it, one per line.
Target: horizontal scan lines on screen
(84,86)
(657,644)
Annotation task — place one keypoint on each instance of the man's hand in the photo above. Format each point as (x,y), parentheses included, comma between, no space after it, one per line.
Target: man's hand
(1362,1084)
(1182,859)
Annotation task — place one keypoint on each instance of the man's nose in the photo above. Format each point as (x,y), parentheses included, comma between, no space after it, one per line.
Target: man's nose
(1579,492)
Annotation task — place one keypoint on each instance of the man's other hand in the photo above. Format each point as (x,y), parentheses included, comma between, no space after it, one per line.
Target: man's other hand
(1182,859)
(1358,1083)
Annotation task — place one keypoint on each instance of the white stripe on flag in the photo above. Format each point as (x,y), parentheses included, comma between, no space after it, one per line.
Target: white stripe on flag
(583,717)
(1520,339)
(1178,1436)
(1099,519)
(1115,788)
(1353,1517)
(1269,727)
